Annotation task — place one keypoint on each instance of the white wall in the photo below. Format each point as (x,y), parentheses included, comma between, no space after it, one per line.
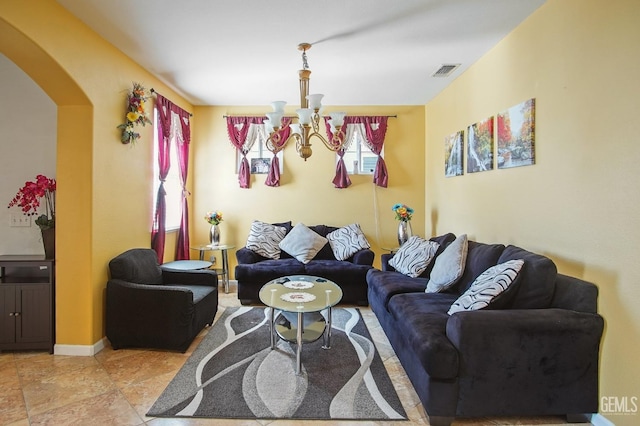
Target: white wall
(27,148)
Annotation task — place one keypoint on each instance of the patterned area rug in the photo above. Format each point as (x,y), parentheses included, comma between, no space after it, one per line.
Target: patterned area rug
(234,373)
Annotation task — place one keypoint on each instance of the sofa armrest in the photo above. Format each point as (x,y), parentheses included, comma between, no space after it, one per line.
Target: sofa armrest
(245,255)
(154,305)
(550,353)
(363,257)
(384,262)
(206,277)
(575,294)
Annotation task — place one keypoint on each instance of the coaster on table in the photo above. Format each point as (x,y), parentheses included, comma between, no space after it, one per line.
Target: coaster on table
(298,285)
(298,297)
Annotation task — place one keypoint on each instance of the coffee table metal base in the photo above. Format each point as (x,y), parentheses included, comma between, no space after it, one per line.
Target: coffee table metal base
(300,328)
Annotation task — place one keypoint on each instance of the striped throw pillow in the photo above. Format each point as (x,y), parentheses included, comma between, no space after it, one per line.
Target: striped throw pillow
(413,257)
(346,241)
(264,239)
(488,287)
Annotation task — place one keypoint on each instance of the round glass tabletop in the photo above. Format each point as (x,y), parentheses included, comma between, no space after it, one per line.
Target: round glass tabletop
(300,293)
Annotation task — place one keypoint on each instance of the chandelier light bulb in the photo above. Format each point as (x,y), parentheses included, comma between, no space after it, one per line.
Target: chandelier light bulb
(295,128)
(267,125)
(337,118)
(304,115)
(275,118)
(315,101)
(278,106)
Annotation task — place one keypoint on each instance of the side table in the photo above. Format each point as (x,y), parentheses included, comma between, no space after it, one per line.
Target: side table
(224,271)
(186,265)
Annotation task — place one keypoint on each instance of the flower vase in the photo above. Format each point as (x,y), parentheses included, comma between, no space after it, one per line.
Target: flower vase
(49,242)
(404,231)
(214,235)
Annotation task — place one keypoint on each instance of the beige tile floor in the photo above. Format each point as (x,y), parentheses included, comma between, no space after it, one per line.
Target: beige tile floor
(118,387)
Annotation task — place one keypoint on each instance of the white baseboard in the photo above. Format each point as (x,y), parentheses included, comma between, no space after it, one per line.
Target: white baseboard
(79,350)
(600,420)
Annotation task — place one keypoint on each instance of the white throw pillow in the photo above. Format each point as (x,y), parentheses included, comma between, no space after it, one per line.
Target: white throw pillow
(346,241)
(413,257)
(449,266)
(302,243)
(264,239)
(488,287)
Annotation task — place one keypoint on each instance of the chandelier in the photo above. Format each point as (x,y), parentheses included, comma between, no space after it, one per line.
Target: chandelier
(308,124)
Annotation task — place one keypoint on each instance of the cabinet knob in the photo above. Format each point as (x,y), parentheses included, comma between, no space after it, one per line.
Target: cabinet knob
(17,314)
(11,314)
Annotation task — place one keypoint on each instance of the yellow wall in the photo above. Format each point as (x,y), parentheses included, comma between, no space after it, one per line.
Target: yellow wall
(579,203)
(104,187)
(306,193)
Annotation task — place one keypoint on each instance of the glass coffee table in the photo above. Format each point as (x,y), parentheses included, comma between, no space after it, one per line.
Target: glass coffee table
(300,300)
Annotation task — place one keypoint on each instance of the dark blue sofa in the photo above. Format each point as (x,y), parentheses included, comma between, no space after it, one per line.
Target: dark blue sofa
(253,270)
(536,356)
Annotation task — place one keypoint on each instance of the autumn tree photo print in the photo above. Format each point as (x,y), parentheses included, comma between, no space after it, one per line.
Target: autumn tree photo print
(516,135)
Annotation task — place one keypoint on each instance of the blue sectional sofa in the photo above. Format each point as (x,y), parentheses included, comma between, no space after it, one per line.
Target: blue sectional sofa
(254,270)
(535,354)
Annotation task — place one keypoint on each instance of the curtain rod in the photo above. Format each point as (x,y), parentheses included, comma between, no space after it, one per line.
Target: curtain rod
(295,116)
(152,90)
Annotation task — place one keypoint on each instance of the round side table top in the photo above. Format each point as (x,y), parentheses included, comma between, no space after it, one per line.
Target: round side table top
(186,265)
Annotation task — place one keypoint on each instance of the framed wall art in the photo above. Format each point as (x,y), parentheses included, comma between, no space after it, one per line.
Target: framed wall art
(480,146)
(516,135)
(453,153)
(260,165)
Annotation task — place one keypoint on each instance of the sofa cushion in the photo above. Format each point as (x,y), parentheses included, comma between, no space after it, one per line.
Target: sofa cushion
(351,278)
(302,243)
(449,266)
(346,241)
(325,252)
(199,291)
(537,282)
(385,284)
(421,320)
(414,256)
(264,239)
(267,270)
(480,257)
(492,285)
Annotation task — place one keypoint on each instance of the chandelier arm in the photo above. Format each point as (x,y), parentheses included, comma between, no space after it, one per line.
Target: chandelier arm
(336,143)
(315,122)
(273,142)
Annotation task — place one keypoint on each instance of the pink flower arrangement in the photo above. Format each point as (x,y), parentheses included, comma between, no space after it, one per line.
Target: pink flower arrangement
(136,113)
(29,196)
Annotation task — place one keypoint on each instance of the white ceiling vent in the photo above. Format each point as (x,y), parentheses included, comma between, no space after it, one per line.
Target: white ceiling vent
(445,70)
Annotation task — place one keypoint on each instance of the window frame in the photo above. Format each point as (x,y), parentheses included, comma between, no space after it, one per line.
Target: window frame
(172,182)
(359,142)
(260,146)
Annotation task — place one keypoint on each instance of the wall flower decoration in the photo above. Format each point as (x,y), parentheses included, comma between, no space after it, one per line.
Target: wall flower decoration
(136,113)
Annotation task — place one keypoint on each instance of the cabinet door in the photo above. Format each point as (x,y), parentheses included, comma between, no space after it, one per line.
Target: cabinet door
(34,322)
(7,310)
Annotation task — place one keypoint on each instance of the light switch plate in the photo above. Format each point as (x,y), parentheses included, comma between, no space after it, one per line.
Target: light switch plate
(20,220)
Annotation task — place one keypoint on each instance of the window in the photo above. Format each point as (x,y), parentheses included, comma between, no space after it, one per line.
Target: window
(172,185)
(358,158)
(259,156)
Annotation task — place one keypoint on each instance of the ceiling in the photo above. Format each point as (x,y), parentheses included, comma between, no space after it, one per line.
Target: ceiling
(365,52)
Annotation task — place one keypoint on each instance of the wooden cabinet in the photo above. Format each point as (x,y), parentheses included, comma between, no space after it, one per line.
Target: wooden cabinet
(27,302)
